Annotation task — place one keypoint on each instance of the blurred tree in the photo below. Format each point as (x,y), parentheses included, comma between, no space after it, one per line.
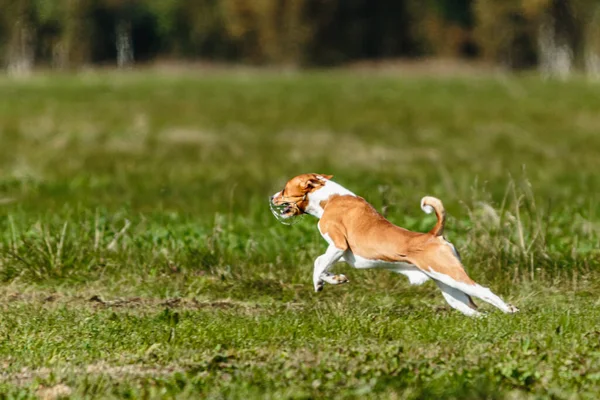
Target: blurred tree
(592,42)
(345,30)
(191,28)
(48,17)
(446,26)
(203,30)
(165,13)
(75,45)
(269,30)
(124,12)
(557,35)
(19,26)
(586,16)
(505,33)
(568,35)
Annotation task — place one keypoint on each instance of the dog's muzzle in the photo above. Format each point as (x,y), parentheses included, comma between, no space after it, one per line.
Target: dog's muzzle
(284,212)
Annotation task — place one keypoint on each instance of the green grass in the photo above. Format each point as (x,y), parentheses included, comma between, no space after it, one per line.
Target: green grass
(138,257)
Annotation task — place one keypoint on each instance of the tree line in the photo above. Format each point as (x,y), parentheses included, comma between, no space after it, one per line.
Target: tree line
(558,36)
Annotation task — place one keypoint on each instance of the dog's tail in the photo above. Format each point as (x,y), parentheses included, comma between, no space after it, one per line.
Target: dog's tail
(430,204)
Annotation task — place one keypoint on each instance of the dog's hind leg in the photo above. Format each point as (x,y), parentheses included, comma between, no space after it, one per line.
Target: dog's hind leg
(458,300)
(473,289)
(486,294)
(442,265)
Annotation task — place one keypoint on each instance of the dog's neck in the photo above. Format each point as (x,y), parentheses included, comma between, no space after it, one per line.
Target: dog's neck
(321,195)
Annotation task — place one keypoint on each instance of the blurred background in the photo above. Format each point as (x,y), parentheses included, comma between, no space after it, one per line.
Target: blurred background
(138,153)
(558,37)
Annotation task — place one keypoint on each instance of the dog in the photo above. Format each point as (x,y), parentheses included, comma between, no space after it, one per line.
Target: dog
(360,236)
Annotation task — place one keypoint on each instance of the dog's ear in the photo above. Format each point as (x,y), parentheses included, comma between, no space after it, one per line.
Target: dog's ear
(312,182)
(315,181)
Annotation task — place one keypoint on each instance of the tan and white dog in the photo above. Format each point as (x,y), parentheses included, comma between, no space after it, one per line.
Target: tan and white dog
(360,236)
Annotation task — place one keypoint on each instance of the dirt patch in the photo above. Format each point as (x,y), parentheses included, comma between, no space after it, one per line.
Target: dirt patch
(54,392)
(172,303)
(12,297)
(26,376)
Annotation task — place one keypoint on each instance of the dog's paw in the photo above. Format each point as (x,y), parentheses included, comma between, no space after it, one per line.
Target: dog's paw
(512,309)
(334,279)
(341,278)
(319,286)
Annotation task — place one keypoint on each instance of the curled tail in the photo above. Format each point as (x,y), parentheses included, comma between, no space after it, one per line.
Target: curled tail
(430,204)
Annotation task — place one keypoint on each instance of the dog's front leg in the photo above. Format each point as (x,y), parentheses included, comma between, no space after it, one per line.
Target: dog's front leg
(322,264)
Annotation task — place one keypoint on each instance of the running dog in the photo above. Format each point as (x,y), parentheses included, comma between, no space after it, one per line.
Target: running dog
(358,235)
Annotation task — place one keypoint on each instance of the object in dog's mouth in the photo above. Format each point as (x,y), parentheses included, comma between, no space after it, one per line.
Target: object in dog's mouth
(281,213)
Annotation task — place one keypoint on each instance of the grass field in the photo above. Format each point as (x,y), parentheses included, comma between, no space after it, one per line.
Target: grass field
(138,257)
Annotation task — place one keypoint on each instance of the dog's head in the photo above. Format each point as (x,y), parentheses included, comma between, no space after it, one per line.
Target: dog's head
(293,199)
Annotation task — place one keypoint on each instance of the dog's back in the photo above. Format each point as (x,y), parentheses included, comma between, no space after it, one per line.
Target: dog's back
(368,233)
